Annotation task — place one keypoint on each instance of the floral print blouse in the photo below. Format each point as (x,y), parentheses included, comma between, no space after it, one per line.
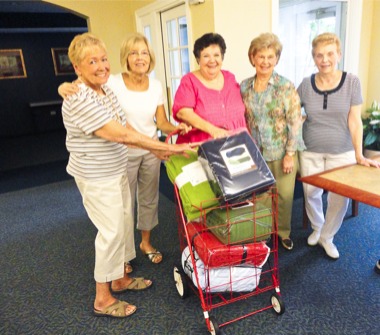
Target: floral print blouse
(274,116)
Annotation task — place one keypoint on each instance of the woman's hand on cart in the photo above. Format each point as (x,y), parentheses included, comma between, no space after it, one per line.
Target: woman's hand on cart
(183,128)
(174,149)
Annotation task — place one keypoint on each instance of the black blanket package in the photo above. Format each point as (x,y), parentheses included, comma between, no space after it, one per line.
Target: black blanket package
(235,167)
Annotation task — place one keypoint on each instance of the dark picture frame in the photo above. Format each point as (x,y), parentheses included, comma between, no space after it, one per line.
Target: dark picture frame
(12,64)
(62,64)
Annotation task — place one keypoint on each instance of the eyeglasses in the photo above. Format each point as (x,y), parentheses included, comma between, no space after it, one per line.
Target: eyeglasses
(135,54)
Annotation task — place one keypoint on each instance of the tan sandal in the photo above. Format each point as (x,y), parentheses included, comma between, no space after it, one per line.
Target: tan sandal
(153,255)
(137,284)
(116,310)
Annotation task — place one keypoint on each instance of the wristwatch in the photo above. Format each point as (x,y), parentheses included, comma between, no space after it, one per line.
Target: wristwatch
(290,153)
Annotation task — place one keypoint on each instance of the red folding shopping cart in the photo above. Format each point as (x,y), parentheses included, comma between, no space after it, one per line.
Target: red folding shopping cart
(229,253)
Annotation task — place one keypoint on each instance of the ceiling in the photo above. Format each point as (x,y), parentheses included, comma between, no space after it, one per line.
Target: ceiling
(31,6)
(37,16)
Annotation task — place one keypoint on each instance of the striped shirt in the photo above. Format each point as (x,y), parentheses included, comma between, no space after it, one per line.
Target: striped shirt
(326,127)
(92,157)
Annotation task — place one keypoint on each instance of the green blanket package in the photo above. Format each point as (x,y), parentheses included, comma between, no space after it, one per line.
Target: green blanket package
(242,224)
(194,188)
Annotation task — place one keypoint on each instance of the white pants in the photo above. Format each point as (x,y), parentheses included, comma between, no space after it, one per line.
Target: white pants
(144,178)
(311,163)
(108,205)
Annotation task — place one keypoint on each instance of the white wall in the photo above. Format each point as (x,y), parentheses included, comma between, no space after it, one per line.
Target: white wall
(252,18)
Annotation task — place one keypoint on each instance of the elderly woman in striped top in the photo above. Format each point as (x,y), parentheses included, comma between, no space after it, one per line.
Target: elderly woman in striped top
(333,134)
(97,134)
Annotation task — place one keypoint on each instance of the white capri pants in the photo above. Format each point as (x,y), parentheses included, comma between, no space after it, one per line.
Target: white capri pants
(108,205)
(311,163)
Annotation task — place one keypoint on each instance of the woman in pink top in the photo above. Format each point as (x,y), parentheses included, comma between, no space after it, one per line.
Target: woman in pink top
(209,98)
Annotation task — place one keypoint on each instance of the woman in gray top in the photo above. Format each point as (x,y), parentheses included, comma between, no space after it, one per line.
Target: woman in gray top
(333,134)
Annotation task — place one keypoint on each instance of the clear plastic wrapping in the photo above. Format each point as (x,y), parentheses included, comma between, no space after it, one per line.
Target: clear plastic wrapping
(235,167)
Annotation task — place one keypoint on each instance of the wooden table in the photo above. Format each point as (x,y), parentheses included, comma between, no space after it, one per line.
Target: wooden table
(360,183)
(357,182)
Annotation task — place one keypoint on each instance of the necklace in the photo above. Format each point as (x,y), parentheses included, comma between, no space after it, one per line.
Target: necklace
(260,97)
(328,82)
(260,86)
(138,84)
(108,103)
(104,98)
(215,83)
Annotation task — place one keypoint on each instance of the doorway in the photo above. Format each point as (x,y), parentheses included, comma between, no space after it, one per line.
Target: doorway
(299,23)
(166,26)
(175,48)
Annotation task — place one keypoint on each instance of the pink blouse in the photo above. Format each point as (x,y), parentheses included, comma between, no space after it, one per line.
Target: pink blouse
(224,108)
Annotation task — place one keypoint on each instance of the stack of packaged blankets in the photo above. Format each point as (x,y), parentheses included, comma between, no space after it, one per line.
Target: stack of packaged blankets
(193,186)
(229,248)
(235,167)
(228,232)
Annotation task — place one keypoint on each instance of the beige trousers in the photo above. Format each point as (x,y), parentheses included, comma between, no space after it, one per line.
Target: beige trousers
(285,186)
(144,179)
(108,205)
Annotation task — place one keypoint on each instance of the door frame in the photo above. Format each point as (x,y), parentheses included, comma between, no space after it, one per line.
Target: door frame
(152,13)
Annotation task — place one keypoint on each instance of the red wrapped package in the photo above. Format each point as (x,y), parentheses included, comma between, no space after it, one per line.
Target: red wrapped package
(215,254)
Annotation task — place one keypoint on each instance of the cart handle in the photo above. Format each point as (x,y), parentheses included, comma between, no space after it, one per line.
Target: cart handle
(177,131)
(170,135)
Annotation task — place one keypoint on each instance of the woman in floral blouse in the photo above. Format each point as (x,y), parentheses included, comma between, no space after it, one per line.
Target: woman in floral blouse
(273,115)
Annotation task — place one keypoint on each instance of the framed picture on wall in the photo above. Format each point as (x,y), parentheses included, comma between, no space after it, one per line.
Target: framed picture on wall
(62,64)
(12,64)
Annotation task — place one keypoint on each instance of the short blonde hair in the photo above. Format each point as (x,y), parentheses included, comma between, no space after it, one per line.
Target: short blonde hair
(265,41)
(81,45)
(127,46)
(325,38)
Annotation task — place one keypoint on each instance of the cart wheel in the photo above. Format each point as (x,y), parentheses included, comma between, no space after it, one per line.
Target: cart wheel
(214,328)
(377,267)
(277,304)
(180,282)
